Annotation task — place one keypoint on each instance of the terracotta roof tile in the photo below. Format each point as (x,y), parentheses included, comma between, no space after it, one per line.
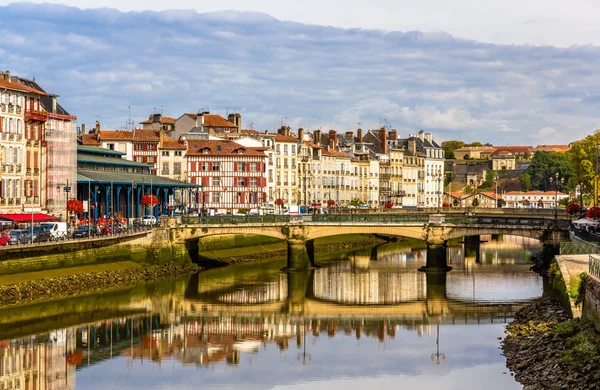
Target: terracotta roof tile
(89,139)
(20,87)
(169,143)
(284,138)
(228,148)
(211,120)
(312,145)
(164,120)
(109,135)
(146,135)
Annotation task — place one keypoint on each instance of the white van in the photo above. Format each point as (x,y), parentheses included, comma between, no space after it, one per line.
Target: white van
(57,230)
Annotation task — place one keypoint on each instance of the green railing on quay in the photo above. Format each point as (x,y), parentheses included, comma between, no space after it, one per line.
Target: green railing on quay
(235,219)
(375,218)
(579,248)
(595,266)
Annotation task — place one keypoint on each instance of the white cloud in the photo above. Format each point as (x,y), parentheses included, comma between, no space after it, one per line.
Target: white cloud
(101,62)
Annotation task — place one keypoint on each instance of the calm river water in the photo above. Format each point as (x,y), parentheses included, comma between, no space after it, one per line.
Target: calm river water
(365,320)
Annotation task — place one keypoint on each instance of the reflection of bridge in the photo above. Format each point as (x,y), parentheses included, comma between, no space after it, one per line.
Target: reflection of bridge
(407,295)
(436,230)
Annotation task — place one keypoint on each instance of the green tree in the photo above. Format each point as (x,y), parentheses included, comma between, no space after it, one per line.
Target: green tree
(583,160)
(525,180)
(449,148)
(355,202)
(545,165)
(475,144)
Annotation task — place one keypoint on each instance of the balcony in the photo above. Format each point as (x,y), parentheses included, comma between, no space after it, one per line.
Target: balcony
(36,115)
(19,137)
(18,201)
(11,168)
(11,201)
(36,171)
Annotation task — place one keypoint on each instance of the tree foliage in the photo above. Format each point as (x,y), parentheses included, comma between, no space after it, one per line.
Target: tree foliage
(583,160)
(525,180)
(545,165)
(449,148)
(355,202)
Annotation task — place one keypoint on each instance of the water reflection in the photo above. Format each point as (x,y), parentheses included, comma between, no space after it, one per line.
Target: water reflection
(369,315)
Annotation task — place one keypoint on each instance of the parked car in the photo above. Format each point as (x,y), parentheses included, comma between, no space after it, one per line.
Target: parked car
(148,220)
(16,237)
(57,230)
(84,231)
(4,238)
(36,234)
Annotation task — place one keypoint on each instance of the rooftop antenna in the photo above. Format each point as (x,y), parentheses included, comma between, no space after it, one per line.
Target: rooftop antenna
(282,118)
(129,124)
(359,124)
(162,106)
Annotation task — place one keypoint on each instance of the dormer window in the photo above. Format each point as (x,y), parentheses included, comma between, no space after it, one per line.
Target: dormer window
(240,151)
(205,150)
(218,148)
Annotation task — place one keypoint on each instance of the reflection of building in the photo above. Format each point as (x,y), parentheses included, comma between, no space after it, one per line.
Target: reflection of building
(342,283)
(39,363)
(273,291)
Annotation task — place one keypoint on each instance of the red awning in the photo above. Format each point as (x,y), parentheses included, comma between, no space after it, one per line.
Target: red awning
(36,217)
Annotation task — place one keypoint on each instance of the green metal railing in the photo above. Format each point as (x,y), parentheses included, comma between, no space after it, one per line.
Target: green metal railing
(578,248)
(595,266)
(236,219)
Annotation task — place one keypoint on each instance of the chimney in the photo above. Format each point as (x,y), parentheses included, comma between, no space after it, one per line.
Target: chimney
(383,137)
(54,104)
(412,146)
(236,119)
(393,136)
(429,137)
(162,137)
(97,129)
(359,136)
(317,137)
(7,75)
(333,139)
(301,134)
(83,128)
(421,135)
(156,118)
(349,135)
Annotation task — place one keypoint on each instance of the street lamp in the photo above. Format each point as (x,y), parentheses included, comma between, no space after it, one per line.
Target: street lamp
(496,197)
(438,176)
(303,355)
(437,355)
(557,181)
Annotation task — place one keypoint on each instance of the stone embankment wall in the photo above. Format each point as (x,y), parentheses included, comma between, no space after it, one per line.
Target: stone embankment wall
(152,247)
(591,306)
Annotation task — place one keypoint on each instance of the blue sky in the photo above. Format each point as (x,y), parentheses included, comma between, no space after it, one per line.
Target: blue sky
(496,79)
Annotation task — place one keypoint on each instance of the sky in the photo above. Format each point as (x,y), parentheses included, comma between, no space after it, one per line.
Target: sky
(507,73)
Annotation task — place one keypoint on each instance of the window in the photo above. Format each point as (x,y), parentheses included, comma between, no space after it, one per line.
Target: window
(277,149)
(216,181)
(177,168)
(242,167)
(204,167)
(151,159)
(253,182)
(293,150)
(216,197)
(165,153)
(216,166)
(241,181)
(253,167)
(110,146)
(178,153)
(218,148)
(285,149)
(165,168)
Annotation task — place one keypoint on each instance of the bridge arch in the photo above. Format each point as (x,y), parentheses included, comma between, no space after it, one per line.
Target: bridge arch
(415,232)
(453,233)
(197,232)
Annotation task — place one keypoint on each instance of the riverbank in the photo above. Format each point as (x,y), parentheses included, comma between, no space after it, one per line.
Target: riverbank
(49,288)
(224,257)
(544,349)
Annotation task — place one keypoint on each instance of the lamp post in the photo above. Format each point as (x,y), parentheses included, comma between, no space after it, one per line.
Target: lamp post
(303,355)
(557,181)
(437,355)
(496,197)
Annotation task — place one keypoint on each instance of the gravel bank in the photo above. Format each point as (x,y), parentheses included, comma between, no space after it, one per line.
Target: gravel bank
(546,351)
(65,286)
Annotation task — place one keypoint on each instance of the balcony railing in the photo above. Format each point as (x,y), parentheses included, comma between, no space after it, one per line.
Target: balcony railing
(36,115)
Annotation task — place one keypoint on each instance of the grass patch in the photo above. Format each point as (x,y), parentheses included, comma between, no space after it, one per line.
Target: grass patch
(582,342)
(55,273)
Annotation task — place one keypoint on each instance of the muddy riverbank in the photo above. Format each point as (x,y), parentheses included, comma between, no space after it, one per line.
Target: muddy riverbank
(80,284)
(545,350)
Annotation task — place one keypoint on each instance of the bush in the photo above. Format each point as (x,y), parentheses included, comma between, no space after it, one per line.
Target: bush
(573,208)
(593,213)
(242,211)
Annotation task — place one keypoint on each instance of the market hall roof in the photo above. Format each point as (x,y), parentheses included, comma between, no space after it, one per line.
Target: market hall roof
(85,176)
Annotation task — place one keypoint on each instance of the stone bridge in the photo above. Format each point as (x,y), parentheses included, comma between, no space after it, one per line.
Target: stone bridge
(435,229)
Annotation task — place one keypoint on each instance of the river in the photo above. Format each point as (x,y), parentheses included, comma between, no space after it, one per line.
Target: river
(366,319)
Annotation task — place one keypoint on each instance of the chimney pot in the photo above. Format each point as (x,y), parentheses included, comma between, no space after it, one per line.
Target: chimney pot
(359,135)
(383,137)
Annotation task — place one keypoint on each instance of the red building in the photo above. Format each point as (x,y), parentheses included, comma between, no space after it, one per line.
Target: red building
(232,176)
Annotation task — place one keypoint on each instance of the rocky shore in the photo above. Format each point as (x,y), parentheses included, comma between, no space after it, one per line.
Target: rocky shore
(65,286)
(545,350)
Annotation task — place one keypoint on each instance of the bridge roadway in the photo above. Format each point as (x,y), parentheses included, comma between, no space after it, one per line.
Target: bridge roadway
(435,229)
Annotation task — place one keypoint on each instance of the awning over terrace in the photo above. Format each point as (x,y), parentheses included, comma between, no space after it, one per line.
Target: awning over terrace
(27,218)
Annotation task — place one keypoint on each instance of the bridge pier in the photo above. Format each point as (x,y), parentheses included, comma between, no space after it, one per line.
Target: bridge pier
(436,285)
(436,258)
(300,254)
(473,247)
(299,288)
